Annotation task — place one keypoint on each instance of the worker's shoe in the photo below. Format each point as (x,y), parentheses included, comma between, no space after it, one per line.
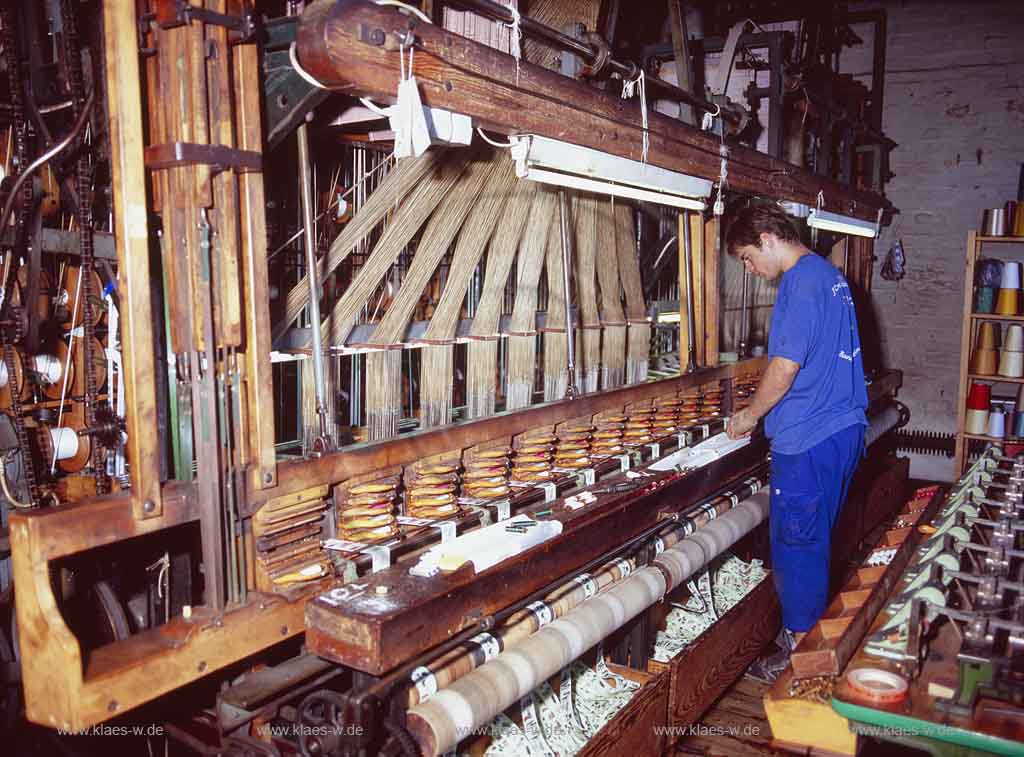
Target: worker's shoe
(770,666)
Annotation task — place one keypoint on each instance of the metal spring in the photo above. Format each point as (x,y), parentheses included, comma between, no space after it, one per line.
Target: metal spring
(923,442)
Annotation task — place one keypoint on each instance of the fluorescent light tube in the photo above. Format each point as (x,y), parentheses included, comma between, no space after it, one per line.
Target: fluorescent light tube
(822,219)
(567,165)
(604,187)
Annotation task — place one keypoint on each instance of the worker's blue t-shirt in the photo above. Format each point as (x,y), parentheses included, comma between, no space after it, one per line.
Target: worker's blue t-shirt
(814,325)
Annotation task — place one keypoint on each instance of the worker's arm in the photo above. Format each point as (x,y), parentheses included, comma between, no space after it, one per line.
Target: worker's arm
(777,380)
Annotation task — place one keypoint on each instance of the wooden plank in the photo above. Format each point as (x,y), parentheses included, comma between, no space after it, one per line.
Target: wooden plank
(411,447)
(375,636)
(459,75)
(681,48)
(635,728)
(972,251)
(803,723)
(64,689)
(131,231)
(224,214)
(259,382)
(708,666)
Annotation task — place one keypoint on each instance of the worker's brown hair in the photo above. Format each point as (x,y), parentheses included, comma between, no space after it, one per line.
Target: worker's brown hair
(756,219)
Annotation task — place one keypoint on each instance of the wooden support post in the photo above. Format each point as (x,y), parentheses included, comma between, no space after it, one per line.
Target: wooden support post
(258,377)
(839,254)
(684,315)
(697,258)
(131,233)
(712,250)
(681,48)
(966,338)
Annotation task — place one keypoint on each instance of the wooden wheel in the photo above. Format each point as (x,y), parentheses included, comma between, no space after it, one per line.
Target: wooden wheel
(66,297)
(99,367)
(44,300)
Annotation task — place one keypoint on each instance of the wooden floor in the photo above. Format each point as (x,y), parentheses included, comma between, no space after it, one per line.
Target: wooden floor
(735,726)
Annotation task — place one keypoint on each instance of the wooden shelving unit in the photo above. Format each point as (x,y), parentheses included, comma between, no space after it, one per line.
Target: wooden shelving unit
(975,245)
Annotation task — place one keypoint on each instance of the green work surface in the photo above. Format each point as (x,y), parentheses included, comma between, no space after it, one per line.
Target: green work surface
(904,725)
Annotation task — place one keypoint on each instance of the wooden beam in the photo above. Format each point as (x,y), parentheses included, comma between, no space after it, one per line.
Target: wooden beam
(374,636)
(65,690)
(350,47)
(259,380)
(131,231)
(681,48)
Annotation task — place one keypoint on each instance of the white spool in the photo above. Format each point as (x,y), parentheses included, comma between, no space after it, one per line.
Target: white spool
(65,442)
(3,374)
(48,368)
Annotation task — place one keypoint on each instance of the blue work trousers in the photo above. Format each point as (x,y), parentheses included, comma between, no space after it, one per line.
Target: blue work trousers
(808,491)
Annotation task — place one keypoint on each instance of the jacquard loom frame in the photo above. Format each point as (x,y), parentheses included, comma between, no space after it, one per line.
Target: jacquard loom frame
(63,688)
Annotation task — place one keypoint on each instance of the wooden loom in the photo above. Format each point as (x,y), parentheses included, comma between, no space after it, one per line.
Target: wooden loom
(221,315)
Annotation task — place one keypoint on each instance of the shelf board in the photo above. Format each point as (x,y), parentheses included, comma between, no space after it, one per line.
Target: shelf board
(1019,240)
(994,317)
(996,379)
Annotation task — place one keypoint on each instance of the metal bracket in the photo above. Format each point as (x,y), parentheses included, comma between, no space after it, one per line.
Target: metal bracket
(174,13)
(175,154)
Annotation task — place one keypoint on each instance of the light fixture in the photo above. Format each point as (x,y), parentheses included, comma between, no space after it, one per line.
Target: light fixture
(822,219)
(566,165)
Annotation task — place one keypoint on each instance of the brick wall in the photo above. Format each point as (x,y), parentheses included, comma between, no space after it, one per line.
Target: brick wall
(954,101)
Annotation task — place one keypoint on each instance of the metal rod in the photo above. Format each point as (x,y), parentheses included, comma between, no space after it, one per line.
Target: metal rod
(306,199)
(741,349)
(570,347)
(626,69)
(691,330)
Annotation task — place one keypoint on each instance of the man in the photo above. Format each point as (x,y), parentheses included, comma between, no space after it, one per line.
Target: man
(813,399)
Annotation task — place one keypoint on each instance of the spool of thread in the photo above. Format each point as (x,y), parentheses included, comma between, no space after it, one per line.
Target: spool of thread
(1011,364)
(988,336)
(996,425)
(976,422)
(1018,221)
(1007,301)
(1011,276)
(47,368)
(993,222)
(1020,398)
(3,374)
(984,362)
(1012,209)
(986,300)
(1018,425)
(1014,338)
(979,396)
(65,442)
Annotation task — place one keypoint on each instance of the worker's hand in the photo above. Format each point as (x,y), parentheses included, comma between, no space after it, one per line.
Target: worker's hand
(741,424)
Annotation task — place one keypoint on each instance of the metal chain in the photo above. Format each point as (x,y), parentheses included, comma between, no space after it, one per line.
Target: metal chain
(18,121)
(28,458)
(73,62)
(11,333)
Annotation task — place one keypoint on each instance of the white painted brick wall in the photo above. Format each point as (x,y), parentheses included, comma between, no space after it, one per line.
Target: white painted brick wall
(954,101)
